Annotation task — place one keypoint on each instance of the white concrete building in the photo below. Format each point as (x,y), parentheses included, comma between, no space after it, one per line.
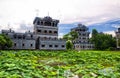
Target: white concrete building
(82,42)
(44,37)
(118,38)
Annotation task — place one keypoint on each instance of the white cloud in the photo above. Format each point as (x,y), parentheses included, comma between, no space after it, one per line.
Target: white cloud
(60,35)
(110,32)
(67,11)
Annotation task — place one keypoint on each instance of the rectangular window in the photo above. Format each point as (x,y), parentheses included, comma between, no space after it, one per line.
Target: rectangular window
(50,31)
(15,44)
(55,32)
(31,45)
(63,46)
(39,30)
(31,36)
(43,45)
(56,45)
(50,45)
(23,44)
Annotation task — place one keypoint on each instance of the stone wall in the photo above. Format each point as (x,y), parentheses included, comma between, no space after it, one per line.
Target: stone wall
(23,44)
(52,45)
(83,46)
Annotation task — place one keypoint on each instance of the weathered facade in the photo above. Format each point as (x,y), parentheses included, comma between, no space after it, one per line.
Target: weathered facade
(118,38)
(44,36)
(82,42)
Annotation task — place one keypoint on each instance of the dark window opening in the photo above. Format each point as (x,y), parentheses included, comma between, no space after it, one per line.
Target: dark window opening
(55,32)
(83,29)
(84,38)
(23,37)
(15,44)
(50,45)
(50,31)
(39,30)
(31,36)
(38,23)
(83,34)
(47,23)
(83,46)
(15,37)
(31,45)
(43,45)
(45,31)
(53,24)
(63,45)
(55,38)
(19,37)
(56,45)
(23,45)
(41,23)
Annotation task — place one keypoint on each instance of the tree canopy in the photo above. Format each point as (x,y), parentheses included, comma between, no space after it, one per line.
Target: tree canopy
(102,41)
(71,35)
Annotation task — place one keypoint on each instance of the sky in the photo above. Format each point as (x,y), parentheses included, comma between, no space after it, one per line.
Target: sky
(19,14)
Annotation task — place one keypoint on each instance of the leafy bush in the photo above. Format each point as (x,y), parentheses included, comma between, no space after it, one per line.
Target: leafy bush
(69,45)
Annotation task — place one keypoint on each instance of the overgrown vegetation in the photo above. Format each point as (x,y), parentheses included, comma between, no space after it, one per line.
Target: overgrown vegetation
(59,64)
(5,42)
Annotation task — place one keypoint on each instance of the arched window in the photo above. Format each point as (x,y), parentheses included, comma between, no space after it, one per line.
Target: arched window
(38,23)
(41,23)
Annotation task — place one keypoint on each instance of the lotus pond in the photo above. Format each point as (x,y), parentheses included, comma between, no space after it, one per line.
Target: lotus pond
(59,64)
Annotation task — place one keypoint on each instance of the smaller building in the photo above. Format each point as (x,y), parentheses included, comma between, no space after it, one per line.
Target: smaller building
(21,40)
(118,38)
(82,42)
(52,44)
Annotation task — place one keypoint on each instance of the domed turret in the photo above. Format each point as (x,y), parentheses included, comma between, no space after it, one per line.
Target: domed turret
(47,19)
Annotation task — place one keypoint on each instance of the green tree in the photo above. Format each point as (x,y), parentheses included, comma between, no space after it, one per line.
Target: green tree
(94,33)
(69,45)
(67,37)
(71,35)
(5,42)
(2,41)
(102,41)
(119,42)
(74,35)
